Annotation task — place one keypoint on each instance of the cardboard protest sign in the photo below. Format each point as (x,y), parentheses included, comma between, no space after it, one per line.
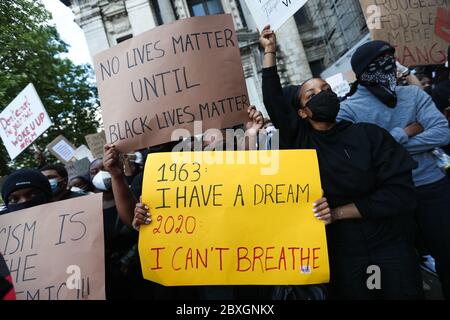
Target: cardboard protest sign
(169,77)
(95,142)
(62,149)
(23,121)
(273,12)
(218,218)
(420,30)
(78,168)
(55,251)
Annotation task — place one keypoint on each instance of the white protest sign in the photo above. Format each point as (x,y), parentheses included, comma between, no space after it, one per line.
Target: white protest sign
(64,150)
(338,84)
(273,12)
(83,152)
(23,121)
(61,148)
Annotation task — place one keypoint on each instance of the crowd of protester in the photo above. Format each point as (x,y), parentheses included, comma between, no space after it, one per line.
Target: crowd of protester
(386,201)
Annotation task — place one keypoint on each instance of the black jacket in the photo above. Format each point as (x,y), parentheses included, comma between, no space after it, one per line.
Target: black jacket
(359,163)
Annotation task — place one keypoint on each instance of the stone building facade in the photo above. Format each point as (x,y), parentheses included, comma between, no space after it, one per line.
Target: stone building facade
(310,41)
(329,29)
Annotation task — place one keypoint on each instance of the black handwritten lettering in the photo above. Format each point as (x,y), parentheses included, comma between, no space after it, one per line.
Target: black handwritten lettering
(61,229)
(161,84)
(163,205)
(211,109)
(228,37)
(129,129)
(112,68)
(27,267)
(277,194)
(83,226)
(239,195)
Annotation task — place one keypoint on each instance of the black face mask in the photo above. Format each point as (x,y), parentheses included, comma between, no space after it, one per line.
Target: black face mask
(36,201)
(324,106)
(380,78)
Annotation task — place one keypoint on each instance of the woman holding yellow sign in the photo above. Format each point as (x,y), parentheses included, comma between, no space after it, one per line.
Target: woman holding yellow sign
(142,216)
(366,177)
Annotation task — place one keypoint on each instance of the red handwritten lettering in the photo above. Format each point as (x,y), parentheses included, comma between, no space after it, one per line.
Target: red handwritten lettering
(220,256)
(158,267)
(315,257)
(242,257)
(442,26)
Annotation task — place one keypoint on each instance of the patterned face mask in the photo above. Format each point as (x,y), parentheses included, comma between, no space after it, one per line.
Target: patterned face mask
(380,78)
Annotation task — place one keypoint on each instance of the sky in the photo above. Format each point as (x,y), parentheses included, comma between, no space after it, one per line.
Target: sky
(69,31)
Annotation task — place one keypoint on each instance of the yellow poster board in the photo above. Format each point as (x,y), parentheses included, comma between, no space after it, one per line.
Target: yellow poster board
(233,218)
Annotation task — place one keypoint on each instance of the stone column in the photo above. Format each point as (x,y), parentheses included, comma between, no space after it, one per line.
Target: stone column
(140,16)
(251,24)
(181,8)
(230,6)
(95,33)
(293,53)
(166,10)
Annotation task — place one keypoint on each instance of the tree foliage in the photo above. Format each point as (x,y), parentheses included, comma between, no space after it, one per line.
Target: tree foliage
(32,51)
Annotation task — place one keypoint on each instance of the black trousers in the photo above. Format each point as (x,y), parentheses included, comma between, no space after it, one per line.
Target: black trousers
(399,274)
(433,219)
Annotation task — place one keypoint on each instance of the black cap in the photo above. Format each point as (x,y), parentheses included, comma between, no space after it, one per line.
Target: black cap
(368,52)
(25,178)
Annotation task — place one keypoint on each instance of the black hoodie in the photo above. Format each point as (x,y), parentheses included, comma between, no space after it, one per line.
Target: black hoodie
(359,163)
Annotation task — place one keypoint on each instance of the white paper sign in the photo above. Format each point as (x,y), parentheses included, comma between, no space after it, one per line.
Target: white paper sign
(64,150)
(83,152)
(338,84)
(23,121)
(273,12)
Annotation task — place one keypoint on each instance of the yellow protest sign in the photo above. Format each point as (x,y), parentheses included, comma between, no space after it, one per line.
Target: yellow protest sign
(233,218)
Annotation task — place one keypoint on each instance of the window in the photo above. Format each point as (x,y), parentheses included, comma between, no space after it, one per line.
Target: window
(204,7)
(241,14)
(156,12)
(122,39)
(301,17)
